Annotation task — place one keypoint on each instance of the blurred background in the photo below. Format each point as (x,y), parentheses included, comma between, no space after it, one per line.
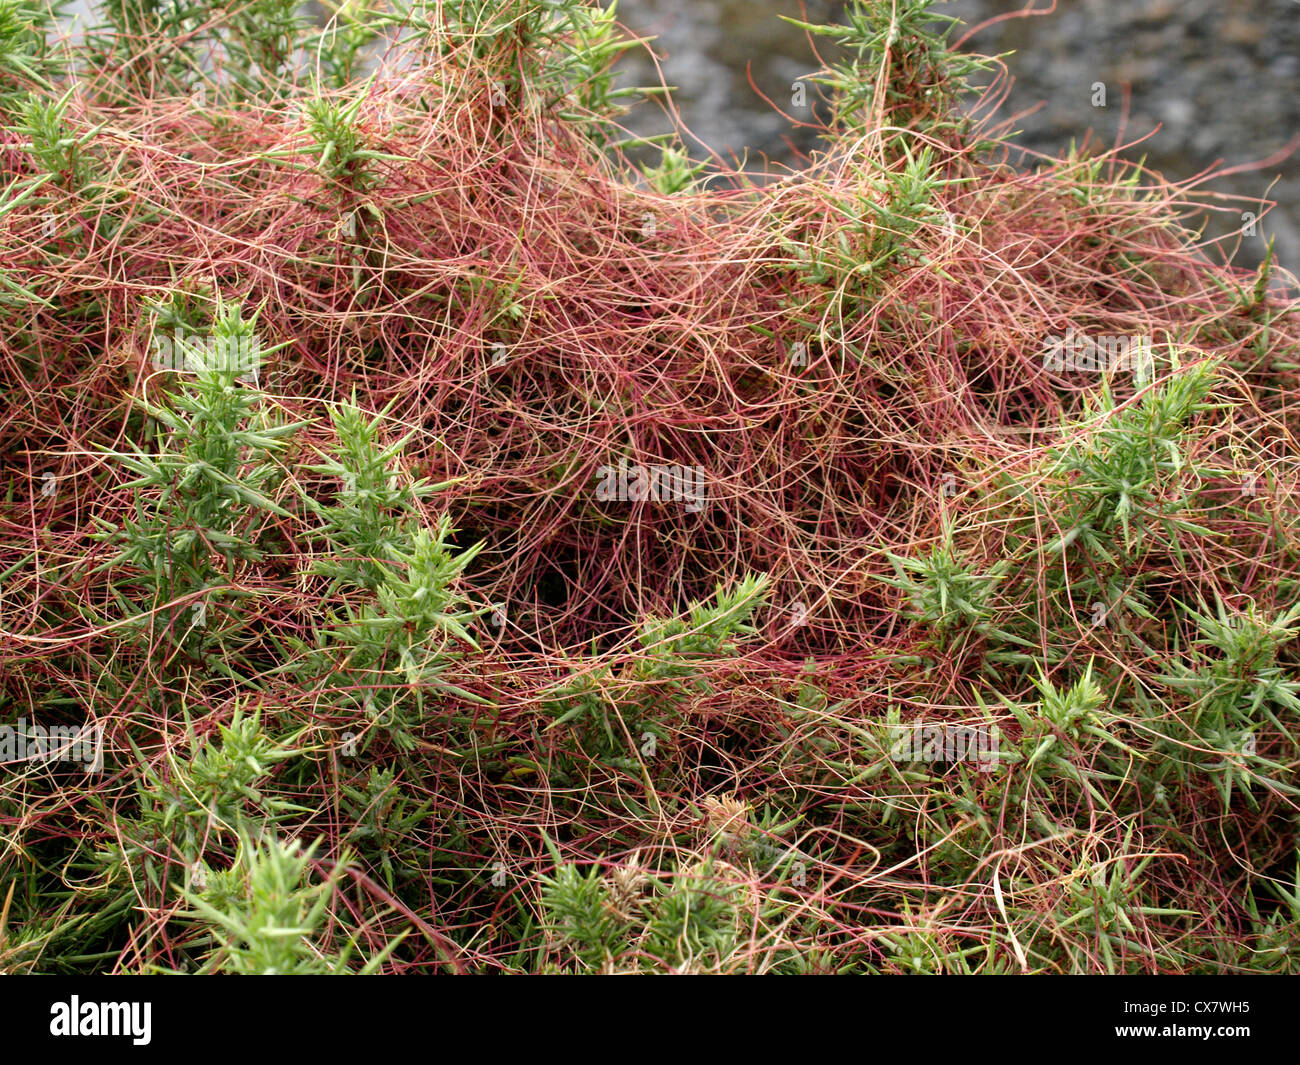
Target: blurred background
(1220,77)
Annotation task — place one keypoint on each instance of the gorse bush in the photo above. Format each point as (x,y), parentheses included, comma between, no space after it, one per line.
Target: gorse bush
(263,917)
(897,72)
(695,924)
(604,709)
(472,547)
(374,515)
(203,501)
